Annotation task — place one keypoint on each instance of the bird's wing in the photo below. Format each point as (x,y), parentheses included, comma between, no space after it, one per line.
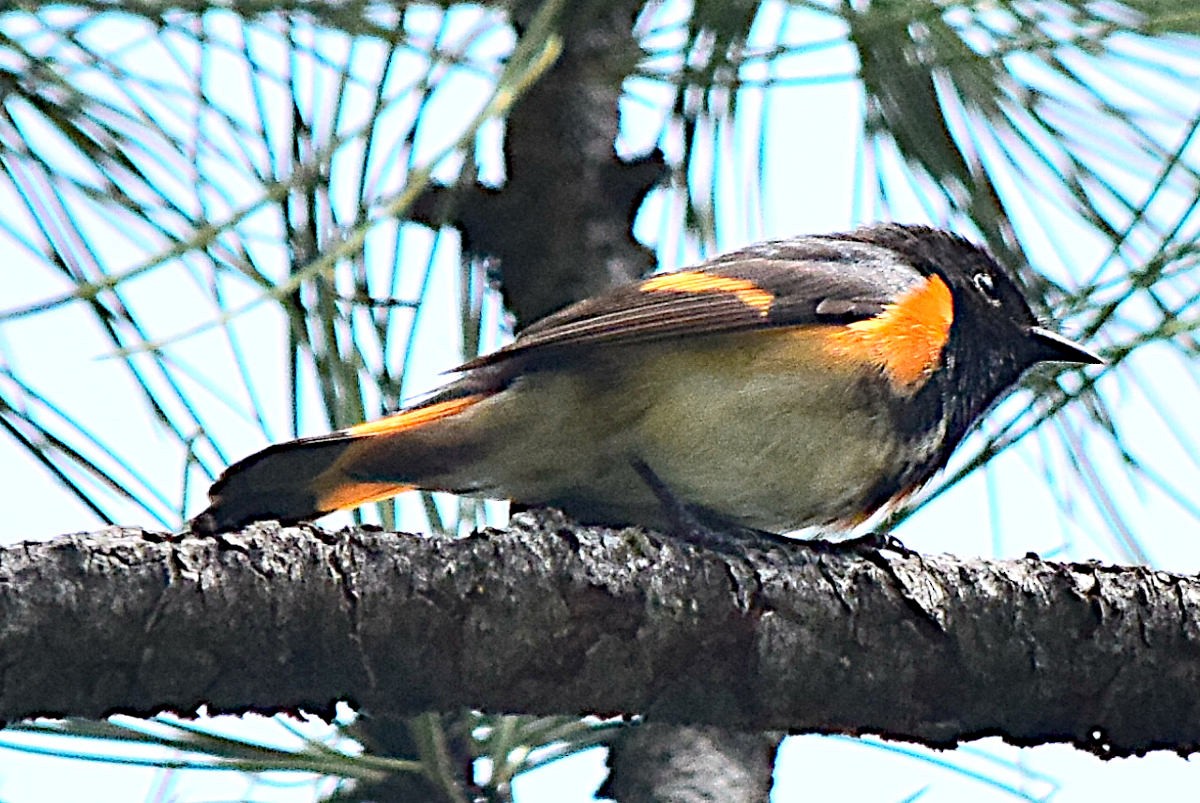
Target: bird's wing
(806,280)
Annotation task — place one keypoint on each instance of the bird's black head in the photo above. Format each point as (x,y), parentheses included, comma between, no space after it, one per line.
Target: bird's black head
(994,335)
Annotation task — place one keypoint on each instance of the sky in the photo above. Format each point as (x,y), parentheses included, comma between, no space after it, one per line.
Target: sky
(813,185)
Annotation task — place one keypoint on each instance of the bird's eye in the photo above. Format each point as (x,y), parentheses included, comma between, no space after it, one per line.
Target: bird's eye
(986,285)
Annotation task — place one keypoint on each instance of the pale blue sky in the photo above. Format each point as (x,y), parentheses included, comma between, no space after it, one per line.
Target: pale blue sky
(812,136)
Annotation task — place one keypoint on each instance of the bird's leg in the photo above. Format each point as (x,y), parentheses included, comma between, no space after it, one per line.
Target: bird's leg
(689,522)
(693,524)
(861,545)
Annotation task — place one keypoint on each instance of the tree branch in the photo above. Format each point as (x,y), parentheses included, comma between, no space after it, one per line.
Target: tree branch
(548,617)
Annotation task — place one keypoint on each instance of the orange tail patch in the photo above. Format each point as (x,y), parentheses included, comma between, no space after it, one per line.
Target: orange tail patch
(336,489)
(408,419)
(344,496)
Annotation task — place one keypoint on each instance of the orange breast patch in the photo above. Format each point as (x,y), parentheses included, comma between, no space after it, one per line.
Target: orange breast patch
(906,340)
(690,281)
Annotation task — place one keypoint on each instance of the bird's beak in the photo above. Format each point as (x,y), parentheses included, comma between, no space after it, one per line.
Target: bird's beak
(1051,347)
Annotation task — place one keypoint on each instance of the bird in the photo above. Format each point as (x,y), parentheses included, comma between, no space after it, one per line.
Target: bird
(804,382)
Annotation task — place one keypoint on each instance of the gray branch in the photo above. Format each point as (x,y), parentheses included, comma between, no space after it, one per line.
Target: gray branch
(548,617)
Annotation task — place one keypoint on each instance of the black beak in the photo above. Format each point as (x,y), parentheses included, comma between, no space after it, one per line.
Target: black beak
(1051,347)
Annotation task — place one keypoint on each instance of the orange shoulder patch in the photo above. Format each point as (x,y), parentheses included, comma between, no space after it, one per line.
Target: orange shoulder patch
(905,340)
(692,281)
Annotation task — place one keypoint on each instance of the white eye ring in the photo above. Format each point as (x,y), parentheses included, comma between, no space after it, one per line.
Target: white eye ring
(986,285)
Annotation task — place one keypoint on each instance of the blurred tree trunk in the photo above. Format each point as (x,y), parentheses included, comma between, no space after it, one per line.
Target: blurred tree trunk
(689,764)
(561,229)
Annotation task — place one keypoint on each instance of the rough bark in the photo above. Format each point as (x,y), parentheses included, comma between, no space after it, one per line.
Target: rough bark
(547,617)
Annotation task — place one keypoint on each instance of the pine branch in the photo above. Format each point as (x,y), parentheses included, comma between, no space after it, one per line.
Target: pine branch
(550,617)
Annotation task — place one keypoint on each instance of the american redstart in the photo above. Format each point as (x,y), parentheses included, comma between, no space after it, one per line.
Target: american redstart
(807,381)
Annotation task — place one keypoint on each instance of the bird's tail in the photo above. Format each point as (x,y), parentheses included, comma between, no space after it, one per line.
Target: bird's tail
(304,479)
